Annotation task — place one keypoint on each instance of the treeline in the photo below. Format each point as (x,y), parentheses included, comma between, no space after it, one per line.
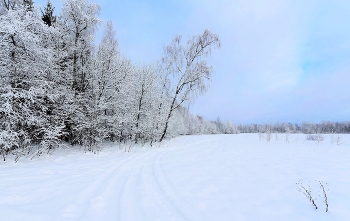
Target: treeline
(199,125)
(325,127)
(57,86)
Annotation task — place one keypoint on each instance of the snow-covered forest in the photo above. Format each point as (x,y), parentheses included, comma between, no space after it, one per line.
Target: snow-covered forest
(58,87)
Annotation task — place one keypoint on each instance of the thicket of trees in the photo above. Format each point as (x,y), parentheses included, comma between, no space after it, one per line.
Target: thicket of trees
(325,127)
(57,87)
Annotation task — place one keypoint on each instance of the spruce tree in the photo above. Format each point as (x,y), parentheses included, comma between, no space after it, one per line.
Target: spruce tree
(47,15)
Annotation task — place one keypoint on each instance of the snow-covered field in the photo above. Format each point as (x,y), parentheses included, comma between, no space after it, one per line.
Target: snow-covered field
(211,177)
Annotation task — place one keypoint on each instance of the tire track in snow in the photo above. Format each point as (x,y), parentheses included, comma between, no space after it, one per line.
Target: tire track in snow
(144,198)
(184,208)
(149,195)
(141,198)
(130,195)
(132,184)
(108,198)
(93,197)
(158,203)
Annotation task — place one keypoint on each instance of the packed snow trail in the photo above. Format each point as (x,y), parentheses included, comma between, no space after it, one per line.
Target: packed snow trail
(221,177)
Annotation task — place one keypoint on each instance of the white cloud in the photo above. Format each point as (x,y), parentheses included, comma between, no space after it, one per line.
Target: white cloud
(266,43)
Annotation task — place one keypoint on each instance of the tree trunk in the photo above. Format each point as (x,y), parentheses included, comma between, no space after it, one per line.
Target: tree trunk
(167,120)
(165,128)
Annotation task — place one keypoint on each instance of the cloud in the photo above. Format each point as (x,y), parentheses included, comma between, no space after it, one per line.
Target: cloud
(273,52)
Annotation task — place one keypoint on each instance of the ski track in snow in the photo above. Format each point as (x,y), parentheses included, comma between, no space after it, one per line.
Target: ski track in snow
(116,193)
(197,178)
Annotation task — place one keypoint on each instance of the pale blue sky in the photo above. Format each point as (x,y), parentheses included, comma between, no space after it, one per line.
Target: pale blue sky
(279,60)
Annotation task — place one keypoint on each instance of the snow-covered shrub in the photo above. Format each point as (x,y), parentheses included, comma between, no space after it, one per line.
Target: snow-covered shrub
(50,140)
(315,137)
(338,140)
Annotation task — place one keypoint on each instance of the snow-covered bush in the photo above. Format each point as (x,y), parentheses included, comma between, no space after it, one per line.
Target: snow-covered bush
(315,137)
(338,140)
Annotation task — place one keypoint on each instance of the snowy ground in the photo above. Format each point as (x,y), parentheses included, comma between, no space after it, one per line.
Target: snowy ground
(214,177)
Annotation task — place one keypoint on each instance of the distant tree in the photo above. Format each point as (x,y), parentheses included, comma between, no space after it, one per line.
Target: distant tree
(220,126)
(231,128)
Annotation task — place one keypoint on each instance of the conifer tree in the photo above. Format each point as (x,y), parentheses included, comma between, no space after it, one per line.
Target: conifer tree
(47,14)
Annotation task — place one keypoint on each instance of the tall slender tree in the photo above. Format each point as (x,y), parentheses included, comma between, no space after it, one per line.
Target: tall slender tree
(187,69)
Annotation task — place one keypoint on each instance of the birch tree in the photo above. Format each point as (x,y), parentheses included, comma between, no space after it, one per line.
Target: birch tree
(187,69)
